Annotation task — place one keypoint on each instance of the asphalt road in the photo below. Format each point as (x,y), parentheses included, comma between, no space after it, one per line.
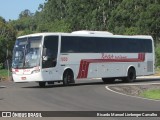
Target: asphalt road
(89,95)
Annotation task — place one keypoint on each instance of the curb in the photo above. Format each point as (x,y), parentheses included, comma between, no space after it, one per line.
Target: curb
(149,77)
(139,77)
(138,97)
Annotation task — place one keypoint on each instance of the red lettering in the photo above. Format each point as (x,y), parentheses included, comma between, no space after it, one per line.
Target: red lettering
(111,56)
(26,70)
(107,56)
(64,59)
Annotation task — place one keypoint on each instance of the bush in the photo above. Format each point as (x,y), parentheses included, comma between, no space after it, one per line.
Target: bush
(157,53)
(1,66)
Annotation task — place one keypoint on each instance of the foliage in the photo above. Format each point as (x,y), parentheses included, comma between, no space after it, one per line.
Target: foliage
(3,73)
(120,17)
(127,17)
(157,54)
(1,66)
(7,38)
(26,13)
(136,17)
(2,20)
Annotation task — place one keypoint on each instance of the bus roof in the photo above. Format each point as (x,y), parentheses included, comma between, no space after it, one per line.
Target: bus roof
(39,34)
(88,34)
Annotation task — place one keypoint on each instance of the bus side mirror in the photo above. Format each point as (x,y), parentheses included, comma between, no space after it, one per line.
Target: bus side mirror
(44,54)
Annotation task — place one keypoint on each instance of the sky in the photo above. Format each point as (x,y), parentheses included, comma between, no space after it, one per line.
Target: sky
(10,9)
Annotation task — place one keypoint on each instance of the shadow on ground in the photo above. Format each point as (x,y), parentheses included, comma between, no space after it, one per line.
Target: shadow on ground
(93,83)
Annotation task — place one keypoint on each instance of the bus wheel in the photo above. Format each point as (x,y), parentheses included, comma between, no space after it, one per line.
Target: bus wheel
(42,84)
(68,77)
(131,76)
(108,80)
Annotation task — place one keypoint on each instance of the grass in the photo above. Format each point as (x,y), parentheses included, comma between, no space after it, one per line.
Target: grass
(3,73)
(154,93)
(157,71)
(151,94)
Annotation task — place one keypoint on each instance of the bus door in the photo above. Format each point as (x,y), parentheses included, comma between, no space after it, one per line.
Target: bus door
(49,58)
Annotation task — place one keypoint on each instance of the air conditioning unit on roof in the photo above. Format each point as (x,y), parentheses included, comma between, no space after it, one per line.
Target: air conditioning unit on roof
(92,32)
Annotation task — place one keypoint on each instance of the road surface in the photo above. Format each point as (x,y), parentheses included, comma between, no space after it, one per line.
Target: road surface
(89,95)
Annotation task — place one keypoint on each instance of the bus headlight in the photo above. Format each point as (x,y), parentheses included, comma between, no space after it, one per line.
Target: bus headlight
(35,71)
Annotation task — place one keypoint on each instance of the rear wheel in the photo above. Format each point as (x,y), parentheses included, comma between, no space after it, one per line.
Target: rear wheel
(108,80)
(42,84)
(68,77)
(131,76)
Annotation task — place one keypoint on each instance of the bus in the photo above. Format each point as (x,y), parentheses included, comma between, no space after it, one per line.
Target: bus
(47,58)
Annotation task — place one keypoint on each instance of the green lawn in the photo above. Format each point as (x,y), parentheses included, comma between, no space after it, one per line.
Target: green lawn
(151,94)
(3,73)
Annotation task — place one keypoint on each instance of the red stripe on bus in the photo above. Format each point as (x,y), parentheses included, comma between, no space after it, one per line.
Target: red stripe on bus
(141,56)
(83,70)
(80,69)
(84,63)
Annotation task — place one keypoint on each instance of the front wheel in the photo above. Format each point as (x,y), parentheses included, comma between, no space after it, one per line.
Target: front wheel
(68,77)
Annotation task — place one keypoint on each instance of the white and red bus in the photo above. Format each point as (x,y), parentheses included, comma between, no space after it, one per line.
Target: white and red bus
(66,57)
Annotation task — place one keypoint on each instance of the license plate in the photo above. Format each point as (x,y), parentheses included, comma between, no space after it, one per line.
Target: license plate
(23,78)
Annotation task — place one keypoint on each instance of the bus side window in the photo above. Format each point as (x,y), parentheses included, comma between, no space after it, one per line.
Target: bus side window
(50,50)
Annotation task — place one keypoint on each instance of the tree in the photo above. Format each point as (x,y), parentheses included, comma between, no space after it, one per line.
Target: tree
(157,53)
(25,13)
(149,21)
(136,17)
(2,19)
(7,38)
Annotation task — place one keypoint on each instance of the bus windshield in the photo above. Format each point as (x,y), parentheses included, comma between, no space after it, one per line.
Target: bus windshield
(26,52)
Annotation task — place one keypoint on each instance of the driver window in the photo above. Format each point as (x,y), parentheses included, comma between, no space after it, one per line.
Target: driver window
(51,47)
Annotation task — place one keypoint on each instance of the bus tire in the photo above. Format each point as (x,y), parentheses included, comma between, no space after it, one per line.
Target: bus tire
(131,75)
(68,77)
(108,80)
(42,84)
